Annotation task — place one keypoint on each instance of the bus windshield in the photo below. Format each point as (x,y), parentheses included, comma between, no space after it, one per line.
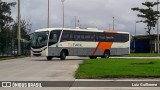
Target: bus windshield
(40,39)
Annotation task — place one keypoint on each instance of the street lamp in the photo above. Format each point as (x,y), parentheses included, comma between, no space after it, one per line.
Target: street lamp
(113,23)
(109,26)
(63,10)
(75,21)
(19,30)
(136,26)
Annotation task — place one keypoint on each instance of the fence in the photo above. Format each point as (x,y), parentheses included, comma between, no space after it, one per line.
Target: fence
(9,47)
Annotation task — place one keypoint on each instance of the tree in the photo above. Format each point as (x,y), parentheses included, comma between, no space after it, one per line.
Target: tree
(150,16)
(5,13)
(25,29)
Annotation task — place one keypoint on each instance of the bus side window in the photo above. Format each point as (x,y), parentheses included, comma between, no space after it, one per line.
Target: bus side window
(100,37)
(121,38)
(53,38)
(77,36)
(71,37)
(96,37)
(82,37)
(65,37)
(87,37)
(92,37)
(68,36)
(110,37)
(125,37)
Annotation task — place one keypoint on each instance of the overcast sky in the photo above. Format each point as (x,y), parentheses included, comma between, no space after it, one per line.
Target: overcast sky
(90,13)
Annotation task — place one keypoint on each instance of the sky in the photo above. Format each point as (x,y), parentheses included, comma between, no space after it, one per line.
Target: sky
(90,14)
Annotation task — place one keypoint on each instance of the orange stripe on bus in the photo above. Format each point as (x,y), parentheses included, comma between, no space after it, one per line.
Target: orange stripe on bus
(103,46)
(94,52)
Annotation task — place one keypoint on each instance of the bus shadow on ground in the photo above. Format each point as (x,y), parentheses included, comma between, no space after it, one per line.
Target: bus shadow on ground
(55,60)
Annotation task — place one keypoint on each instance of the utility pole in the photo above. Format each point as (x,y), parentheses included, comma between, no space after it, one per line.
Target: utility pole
(75,21)
(19,30)
(135,28)
(63,10)
(158,29)
(109,26)
(78,23)
(113,23)
(48,15)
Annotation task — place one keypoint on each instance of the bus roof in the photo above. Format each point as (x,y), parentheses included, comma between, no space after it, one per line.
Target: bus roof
(87,29)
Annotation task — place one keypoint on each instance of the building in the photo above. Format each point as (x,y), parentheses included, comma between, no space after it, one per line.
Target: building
(144,43)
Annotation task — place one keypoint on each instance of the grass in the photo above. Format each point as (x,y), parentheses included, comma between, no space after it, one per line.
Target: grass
(118,68)
(144,55)
(2,58)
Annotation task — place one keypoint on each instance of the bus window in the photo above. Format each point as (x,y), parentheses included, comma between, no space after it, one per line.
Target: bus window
(87,37)
(121,38)
(54,37)
(110,37)
(102,37)
(82,37)
(67,36)
(92,37)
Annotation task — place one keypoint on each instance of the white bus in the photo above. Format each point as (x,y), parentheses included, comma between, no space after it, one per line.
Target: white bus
(93,43)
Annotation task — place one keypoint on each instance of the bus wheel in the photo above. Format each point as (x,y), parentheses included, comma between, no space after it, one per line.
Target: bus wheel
(106,54)
(49,58)
(63,55)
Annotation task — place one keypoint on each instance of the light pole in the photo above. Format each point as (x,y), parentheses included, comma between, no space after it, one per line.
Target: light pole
(78,23)
(75,21)
(113,23)
(158,29)
(63,10)
(48,15)
(136,26)
(19,30)
(109,26)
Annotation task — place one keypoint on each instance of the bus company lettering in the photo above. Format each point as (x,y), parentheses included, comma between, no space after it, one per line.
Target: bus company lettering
(77,45)
(74,45)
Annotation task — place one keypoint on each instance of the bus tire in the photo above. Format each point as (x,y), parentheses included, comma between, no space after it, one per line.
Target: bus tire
(49,58)
(106,54)
(63,55)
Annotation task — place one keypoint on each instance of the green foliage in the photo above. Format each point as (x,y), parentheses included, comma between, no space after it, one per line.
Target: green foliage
(5,13)
(150,16)
(9,29)
(24,29)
